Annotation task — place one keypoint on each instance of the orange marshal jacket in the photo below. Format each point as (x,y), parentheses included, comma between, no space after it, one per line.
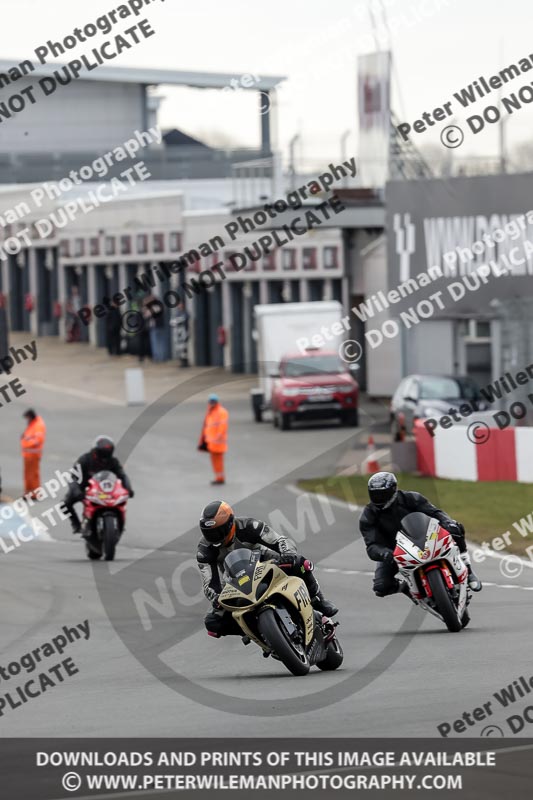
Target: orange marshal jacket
(33,438)
(215,430)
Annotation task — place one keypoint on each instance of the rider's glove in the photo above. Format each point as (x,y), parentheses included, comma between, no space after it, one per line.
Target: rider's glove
(288,559)
(131,493)
(388,558)
(455,528)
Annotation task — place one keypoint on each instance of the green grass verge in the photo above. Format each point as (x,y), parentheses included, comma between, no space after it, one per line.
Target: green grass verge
(487,509)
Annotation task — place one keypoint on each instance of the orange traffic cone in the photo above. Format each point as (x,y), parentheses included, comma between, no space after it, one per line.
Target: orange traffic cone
(372,464)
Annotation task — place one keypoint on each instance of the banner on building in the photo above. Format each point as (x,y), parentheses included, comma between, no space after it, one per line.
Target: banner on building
(373,81)
(469,238)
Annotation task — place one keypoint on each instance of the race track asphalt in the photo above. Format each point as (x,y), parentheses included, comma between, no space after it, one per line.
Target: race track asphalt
(148,669)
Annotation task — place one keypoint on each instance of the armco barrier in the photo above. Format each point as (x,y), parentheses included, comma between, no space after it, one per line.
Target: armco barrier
(504,456)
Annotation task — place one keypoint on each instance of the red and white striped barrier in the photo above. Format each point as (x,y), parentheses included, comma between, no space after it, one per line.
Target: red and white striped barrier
(500,455)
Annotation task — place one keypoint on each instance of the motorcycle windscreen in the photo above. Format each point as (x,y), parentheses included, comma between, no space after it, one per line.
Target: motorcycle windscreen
(239,566)
(415,526)
(106,479)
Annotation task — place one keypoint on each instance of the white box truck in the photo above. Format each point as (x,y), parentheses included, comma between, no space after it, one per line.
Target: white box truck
(288,329)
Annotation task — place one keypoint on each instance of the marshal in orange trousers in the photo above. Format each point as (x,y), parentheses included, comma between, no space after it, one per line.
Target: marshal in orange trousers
(32,474)
(217,462)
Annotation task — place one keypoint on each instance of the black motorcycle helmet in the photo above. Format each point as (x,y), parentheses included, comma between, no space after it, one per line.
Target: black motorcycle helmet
(382,489)
(217,523)
(103,449)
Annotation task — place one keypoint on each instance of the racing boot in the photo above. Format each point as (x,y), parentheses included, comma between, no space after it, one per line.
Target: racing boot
(318,601)
(403,588)
(325,607)
(473,580)
(75,522)
(74,519)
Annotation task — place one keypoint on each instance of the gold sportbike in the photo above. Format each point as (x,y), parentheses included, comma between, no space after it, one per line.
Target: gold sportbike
(274,610)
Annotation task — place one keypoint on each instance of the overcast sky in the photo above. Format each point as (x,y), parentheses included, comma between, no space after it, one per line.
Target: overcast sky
(439,46)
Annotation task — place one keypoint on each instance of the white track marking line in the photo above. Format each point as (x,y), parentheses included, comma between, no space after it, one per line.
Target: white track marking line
(324,498)
(502,556)
(101,398)
(340,571)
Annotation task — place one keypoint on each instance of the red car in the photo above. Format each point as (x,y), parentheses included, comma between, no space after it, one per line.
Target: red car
(315,385)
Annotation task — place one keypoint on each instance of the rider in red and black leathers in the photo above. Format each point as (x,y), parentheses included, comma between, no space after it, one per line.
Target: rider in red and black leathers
(99,458)
(222,532)
(381,520)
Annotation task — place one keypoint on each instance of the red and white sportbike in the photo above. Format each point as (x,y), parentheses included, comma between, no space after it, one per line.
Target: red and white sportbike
(430,562)
(104,515)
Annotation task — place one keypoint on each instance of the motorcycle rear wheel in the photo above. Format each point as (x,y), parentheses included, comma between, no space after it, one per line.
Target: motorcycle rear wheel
(273,634)
(443,601)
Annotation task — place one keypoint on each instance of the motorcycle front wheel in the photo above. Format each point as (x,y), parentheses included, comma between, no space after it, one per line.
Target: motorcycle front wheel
(443,601)
(109,536)
(273,634)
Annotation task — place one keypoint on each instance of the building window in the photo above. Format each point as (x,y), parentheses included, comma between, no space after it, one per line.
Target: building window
(309,257)
(269,262)
(142,243)
(197,266)
(228,265)
(482,330)
(251,266)
(94,246)
(64,248)
(125,245)
(79,247)
(288,258)
(331,257)
(175,242)
(110,245)
(476,329)
(159,242)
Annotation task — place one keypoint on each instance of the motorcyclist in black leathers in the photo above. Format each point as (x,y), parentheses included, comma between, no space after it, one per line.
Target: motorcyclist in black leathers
(381,520)
(223,532)
(99,458)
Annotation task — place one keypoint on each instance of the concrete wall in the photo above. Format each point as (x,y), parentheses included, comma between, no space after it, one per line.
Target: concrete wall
(411,350)
(85,115)
(429,348)
(384,369)
(129,215)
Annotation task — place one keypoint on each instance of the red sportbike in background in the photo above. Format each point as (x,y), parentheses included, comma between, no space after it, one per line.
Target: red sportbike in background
(104,515)
(429,561)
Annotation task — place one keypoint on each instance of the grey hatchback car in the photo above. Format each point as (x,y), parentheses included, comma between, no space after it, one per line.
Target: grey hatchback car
(423,396)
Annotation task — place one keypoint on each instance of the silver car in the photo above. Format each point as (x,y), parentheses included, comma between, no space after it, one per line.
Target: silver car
(423,396)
